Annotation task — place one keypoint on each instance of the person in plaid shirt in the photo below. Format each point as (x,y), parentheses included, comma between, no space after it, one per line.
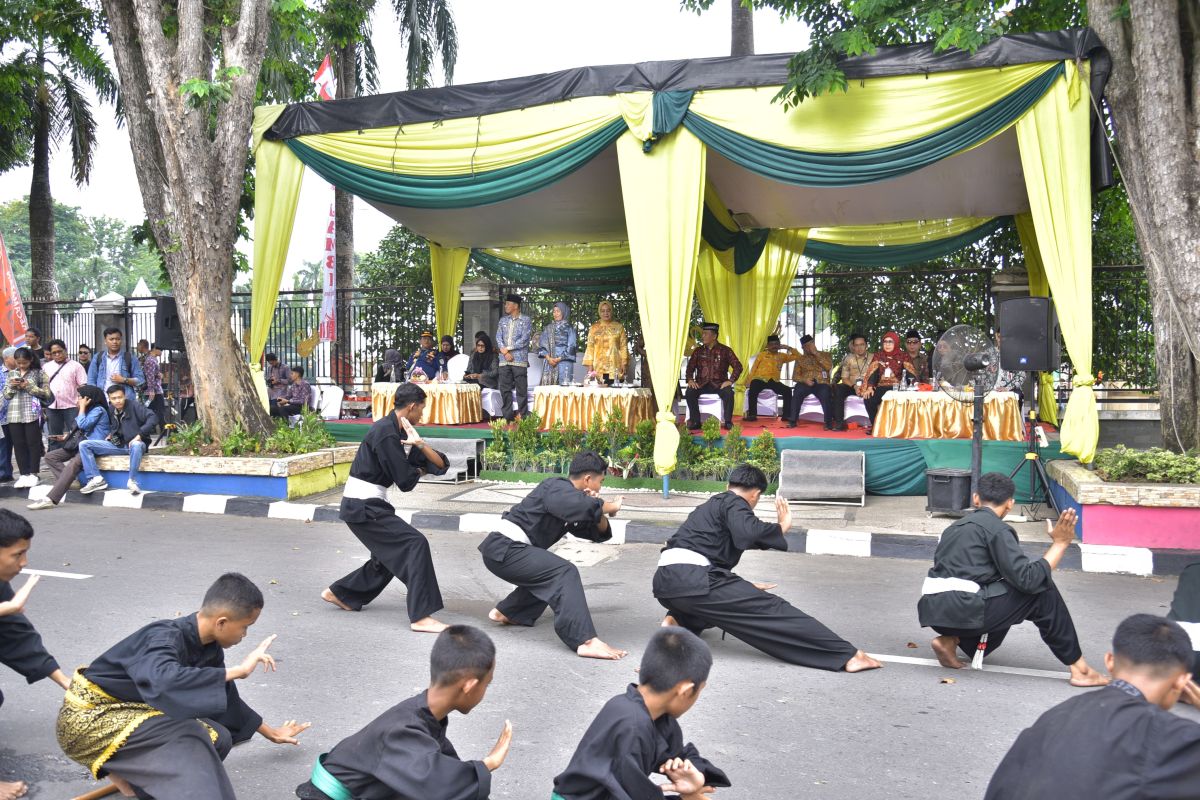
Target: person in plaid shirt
(709,372)
(153,386)
(295,398)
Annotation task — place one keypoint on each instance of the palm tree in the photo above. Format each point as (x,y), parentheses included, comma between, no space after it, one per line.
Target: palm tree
(742,43)
(57,60)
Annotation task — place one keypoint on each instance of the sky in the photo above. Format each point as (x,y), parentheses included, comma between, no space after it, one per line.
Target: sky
(497,39)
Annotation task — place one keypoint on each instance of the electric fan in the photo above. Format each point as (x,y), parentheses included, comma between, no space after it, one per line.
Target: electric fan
(966,366)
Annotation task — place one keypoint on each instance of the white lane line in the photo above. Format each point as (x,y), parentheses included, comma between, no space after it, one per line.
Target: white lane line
(49,573)
(932,662)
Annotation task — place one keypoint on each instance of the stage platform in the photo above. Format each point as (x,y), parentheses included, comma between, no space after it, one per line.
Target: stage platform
(894,466)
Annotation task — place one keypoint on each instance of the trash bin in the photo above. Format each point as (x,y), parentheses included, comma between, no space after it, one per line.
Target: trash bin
(947,491)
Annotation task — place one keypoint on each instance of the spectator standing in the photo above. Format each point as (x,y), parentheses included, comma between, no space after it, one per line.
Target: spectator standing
(26,385)
(116,366)
(64,377)
(84,356)
(6,452)
(154,388)
(277,376)
(512,344)
(131,426)
(296,398)
(93,424)
(33,340)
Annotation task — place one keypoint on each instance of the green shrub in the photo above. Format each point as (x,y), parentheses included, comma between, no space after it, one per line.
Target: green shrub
(1152,466)
(187,440)
(240,442)
(308,436)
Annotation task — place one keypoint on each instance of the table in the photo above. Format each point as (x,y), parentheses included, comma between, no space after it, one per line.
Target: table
(445,403)
(577,405)
(937,415)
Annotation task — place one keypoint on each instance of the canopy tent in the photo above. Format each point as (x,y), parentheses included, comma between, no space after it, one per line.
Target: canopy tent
(637,167)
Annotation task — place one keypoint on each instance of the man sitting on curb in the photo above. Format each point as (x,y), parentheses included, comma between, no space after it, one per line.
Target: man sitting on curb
(132,426)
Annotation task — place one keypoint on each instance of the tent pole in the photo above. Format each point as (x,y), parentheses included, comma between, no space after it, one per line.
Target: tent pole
(666,486)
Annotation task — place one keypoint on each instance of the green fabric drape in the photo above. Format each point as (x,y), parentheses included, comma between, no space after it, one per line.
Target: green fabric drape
(448,266)
(848,169)
(458,191)
(1038,287)
(516,272)
(901,254)
(669,109)
(747,246)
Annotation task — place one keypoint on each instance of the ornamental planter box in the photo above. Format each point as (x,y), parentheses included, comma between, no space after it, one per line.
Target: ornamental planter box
(1153,515)
(281,477)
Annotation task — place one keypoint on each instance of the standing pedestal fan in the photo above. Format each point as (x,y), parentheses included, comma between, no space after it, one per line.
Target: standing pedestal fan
(966,366)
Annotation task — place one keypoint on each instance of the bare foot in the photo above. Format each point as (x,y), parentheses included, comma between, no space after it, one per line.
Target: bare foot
(669,622)
(1084,676)
(495,616)
(329,597)
(946,650)
(594,648)
(862,662)
(11,791)
(122,785)
(428,625)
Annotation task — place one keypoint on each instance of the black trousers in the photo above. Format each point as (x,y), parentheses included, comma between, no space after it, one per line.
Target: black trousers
(756,386)
(398,550)
(819,391)
(6,455)
(175,759)
(289,410)
(514,378)
(839,394)
(692,397)
(27,445)
(1045,609)
(762,620)
(159,406)
(542,579)
(875,401)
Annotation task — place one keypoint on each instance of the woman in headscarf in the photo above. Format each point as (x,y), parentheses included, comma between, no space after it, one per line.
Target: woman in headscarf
(885,371)
(391,369)
(483,367)
(558,346)
(449,351)
(607,352)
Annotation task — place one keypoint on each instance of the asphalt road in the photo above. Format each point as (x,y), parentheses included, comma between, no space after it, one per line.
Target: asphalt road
(779,731)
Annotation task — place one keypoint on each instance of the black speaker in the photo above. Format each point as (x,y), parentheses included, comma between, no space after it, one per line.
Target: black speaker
(1029,340)
(167,333)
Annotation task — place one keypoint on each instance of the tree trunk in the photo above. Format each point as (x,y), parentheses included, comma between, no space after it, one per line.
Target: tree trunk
(191,181)
(742,43)
(41,204)
(1154,97)
(343,353)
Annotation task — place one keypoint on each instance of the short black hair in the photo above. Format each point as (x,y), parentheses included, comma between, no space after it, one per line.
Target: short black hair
(299,371)
(50,344)
(114,388)
(1154,643)
(109,331)
(13,528)
(674,655)
(28,354)
(271,357)
(857,335)
(587,463)
(35,330)
(460,652)
(748,476)
(234,594)
(996,488)
(913,334)
(87,347)
(144,342)
(407,394)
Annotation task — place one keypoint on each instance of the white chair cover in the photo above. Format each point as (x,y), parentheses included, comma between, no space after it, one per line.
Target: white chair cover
(331,402)
(457,367)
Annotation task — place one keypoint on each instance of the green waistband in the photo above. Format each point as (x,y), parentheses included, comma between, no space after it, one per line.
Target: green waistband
(327,783)
(556,796)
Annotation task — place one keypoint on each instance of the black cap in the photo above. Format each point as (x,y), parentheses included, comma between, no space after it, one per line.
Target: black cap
(805,339)
(514,298)
(711,326)
(913,334)
(773,338)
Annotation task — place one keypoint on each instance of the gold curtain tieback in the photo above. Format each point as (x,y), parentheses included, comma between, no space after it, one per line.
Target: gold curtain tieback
(1084,380)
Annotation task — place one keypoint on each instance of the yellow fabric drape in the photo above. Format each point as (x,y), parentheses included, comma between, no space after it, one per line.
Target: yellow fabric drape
(277,177)
(449,265)
(1038,287)
(664,195)
(894,233)
(871,114)
(747,306)
(637,109)
(585,255)
(1054,142)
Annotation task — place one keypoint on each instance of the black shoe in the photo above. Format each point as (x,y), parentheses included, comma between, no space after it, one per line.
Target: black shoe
(749,418)
(791,423)
(726,425)
(840,426)
(691,426)
(828,426)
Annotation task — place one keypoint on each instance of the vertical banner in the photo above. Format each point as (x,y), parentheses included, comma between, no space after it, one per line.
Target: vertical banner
(13,323)
(325,81)
(329,283)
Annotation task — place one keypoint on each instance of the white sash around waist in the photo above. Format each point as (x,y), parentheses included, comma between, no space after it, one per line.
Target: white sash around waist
(513,531)
(358,489)
(1193,630)
(939,585)
(678,555)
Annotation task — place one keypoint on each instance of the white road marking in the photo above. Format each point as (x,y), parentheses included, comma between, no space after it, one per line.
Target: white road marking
(932,662)
(49,573)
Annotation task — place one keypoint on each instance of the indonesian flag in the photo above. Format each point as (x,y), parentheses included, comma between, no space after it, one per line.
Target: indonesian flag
(325,80)
(12,311)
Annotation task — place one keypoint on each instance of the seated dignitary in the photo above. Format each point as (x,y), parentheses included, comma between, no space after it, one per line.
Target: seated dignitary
(811,376)
(1120,742)
(427,361)
(696,584)
(851,379)
(916,356)
(518,552)
(712,369)
(404,753)
(765,375)
(982,583)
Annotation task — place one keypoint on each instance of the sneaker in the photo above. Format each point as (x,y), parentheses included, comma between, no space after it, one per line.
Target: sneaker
(26,482)
(38,505)
(94,485)
(132,486)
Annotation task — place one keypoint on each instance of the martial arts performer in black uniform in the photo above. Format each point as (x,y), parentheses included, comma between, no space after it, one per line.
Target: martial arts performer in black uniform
(391,453)
(159,711)
(404,752)
(1185,609)
(21,648)
(1120,742)
(982,583)
(517,552)
(637,733)
(695,581)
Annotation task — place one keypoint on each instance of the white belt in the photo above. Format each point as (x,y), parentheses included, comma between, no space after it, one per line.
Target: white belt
(678,555)
(1193,630)
(939,585)
(512,531)
(358,489)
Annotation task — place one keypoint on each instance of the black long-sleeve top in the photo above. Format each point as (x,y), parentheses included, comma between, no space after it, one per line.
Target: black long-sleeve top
(21,648)
(555,508)
(622,748)
(381,460)
(165,665)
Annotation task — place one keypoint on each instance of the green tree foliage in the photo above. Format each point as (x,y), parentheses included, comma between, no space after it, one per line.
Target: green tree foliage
(94,255)
(396,317)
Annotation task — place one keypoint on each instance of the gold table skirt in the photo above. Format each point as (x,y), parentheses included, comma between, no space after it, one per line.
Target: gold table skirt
(577,405)
(445,403)
(936,415)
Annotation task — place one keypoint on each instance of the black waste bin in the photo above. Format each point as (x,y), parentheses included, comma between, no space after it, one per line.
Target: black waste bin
(947,491)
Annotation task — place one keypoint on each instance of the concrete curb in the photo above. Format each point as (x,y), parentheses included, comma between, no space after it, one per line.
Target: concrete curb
(1107,559)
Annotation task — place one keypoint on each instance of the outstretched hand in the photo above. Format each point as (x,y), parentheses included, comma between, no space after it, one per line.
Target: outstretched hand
(410,433)
(1063,532)
(783,512)
(285,733)
(684,778)
(17,604)
(1191,694)
(494,759)
(259,656)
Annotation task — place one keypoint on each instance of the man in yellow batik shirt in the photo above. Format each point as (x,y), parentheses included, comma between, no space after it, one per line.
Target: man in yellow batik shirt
(811,376)
(765,375)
